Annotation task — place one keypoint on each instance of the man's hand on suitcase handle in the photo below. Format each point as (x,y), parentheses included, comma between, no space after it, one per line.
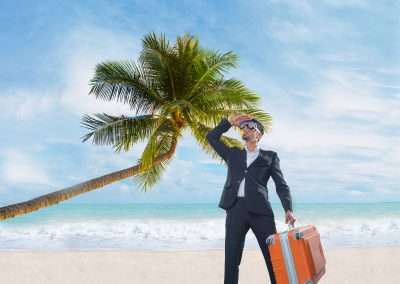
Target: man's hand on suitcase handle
(290,218)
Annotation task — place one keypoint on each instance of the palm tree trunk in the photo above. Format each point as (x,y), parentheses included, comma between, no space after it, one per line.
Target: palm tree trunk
(69,192)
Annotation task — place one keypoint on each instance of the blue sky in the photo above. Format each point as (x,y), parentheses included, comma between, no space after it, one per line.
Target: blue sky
(327,71)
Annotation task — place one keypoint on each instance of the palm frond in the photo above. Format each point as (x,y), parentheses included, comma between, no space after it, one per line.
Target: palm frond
(125,81)
(148,178)
(157,59)
(212,67)
(119,131)
(188,53)
(160,142)
(155,146)
(225,94)
(158,43)
(187,47)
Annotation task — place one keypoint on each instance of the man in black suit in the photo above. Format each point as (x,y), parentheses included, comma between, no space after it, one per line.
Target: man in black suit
(245,193)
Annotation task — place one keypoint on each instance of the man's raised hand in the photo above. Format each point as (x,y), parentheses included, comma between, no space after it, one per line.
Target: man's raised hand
(236,119)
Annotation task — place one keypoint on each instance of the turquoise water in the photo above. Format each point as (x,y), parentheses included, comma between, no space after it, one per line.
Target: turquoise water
(71,211)
(188,226)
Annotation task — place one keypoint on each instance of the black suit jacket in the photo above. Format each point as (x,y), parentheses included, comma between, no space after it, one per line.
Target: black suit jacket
(266,165)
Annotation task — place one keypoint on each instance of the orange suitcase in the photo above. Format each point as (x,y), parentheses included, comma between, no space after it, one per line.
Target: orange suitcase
(297,255)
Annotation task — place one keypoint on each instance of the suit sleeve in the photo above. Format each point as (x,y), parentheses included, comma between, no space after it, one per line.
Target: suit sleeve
(214,135)
(282,189)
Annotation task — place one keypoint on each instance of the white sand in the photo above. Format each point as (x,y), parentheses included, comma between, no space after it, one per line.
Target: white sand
(372,265)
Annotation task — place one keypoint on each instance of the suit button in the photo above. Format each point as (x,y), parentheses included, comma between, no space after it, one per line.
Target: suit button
(245,171)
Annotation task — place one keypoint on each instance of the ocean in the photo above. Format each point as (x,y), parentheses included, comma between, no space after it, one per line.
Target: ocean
(73,226)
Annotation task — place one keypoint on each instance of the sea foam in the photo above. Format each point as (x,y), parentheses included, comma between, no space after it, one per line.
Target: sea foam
(181,234)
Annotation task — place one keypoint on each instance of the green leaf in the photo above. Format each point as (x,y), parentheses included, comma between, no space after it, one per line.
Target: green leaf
(125,82)
(159,143)
(119,131)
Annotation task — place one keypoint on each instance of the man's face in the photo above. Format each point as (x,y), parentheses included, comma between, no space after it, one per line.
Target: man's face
(250,134)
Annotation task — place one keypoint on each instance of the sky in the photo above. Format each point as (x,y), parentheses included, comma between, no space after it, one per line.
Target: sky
(327,71)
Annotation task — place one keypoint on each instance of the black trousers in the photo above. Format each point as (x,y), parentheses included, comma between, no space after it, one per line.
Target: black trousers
(238,222)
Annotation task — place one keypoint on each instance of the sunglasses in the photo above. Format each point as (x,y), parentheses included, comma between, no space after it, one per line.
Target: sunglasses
(250,124)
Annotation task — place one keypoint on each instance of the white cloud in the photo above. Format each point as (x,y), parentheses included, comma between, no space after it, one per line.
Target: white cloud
(208,161)
(331,137)
(188,175)
(20,167)
(303,7)
(350,94)
(82,50)
(290,32)
(388,70)
(103,157)
(334,132)
(26,104)
(356,193)
(306,7)
(347,56)
(347,3)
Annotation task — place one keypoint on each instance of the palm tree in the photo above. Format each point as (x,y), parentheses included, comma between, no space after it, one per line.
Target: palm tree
(170,88)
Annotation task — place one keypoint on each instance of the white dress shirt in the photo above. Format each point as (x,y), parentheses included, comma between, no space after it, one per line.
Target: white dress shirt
(251,156)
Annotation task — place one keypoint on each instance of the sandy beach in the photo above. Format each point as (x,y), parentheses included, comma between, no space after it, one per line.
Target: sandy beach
(350,265)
